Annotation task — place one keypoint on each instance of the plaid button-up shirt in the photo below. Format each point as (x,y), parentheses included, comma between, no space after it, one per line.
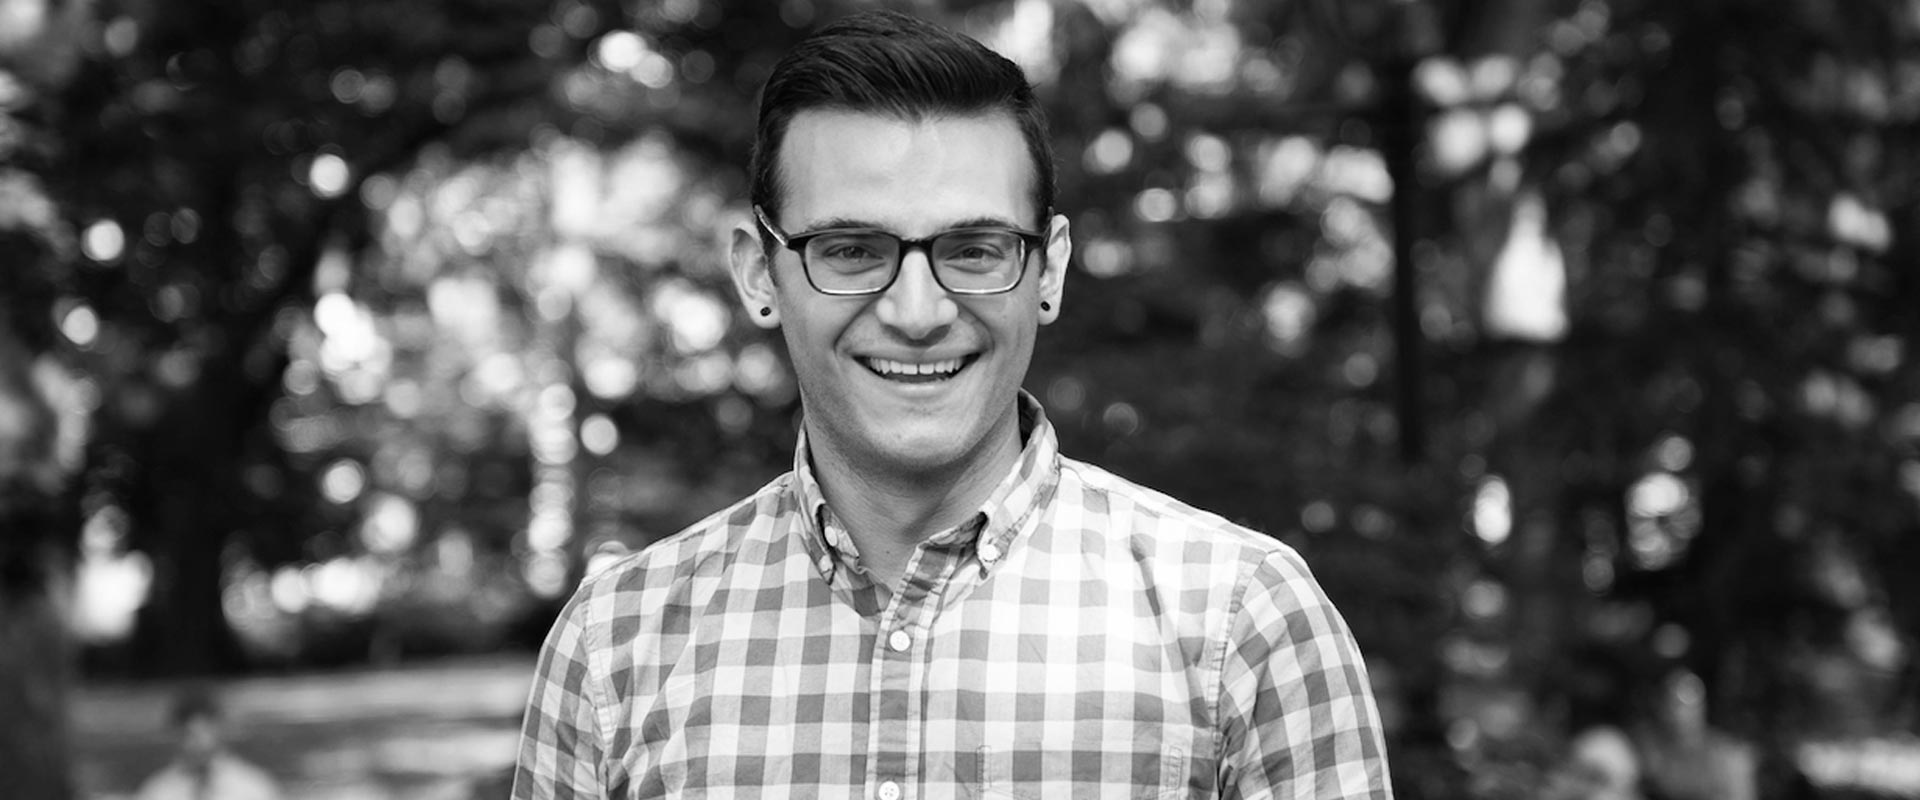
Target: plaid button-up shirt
(1081,636)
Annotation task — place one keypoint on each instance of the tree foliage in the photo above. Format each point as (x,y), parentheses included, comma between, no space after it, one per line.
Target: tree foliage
(410,286)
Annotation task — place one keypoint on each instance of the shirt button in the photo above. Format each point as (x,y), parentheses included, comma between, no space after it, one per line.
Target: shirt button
(989,552)
(899,641)
(889,791)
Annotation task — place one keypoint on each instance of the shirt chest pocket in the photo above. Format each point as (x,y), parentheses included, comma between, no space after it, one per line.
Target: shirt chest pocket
(1082,768)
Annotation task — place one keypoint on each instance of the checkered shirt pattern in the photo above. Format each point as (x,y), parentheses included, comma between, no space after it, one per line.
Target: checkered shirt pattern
(1081,637)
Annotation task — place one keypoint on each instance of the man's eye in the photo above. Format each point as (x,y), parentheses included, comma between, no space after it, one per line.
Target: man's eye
(976,253)
(848,252)
(855,249)
(978,249)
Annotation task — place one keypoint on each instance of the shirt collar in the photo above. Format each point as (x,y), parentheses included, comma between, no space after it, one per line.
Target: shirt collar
(1026,488)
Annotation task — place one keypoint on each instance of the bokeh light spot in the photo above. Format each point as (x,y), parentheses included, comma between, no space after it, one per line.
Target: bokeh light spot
(1107,258)
(1674,453)
(121,36)
(1484,599)
(1289,313)
(1110,152)
(1443,80)
(328,175)
(1148,120)
(1208,152)
(697,320)
(619,51)
(80,325)
(1067,393)
(343,481)
(392,524)
(1657,494)
(1121,419)
(1493,510)
(545,573)
(289,590)
(1318,516)
(733,414)
(103,241)
(1156,205)
(1360,369)
(758,371)
(599,435)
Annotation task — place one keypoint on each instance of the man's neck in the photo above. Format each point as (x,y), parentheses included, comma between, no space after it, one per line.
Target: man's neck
(888,511)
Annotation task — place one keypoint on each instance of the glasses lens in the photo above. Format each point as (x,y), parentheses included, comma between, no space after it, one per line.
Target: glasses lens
(852,261)
(978,260)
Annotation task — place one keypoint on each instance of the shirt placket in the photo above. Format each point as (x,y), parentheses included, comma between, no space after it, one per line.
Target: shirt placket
(899,670)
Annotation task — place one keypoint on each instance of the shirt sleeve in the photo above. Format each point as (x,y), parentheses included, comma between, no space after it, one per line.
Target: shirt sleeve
(249,780)
(156,786)
(561,739)
(1297,715)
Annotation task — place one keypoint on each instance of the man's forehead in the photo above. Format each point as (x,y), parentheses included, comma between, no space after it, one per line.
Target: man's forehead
(849,159)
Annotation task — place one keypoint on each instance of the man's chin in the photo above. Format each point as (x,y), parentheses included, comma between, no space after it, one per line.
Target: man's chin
(935,448)
(923,455)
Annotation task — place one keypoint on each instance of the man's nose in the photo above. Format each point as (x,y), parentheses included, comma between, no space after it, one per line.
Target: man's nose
(916,305)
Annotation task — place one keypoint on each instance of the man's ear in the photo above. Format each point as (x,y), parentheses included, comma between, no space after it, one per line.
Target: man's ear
(1053,269)
(753,277)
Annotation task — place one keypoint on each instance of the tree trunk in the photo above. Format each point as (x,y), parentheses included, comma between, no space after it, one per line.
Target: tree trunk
(183,512)
(35,662)
(1401,124)
(37,532)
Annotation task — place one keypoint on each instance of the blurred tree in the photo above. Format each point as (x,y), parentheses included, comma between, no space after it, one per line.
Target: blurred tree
(1541,326)
(1620,355)
(212,156)
(1733,185)
(39,434)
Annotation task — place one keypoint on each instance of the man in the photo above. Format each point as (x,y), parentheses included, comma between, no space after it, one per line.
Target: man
(204,769)
(934,602)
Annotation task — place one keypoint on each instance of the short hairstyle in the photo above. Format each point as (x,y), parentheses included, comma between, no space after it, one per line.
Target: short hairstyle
(888,62)
(194,701)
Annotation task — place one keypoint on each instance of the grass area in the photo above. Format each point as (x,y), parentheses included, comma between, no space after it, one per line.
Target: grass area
(435,730)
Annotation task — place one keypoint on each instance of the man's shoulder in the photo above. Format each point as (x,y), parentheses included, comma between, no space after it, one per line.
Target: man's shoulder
(1189,549)
(243,779)
(168,782)
(697,549)
(1134,509)
(230,777)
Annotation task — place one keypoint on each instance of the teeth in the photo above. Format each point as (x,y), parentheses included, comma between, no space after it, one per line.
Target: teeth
(889,367)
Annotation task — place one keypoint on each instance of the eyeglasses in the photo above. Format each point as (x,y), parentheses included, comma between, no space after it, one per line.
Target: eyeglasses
(861,261)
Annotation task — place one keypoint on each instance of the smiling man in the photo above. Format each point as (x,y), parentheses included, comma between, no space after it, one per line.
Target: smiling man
(935,602)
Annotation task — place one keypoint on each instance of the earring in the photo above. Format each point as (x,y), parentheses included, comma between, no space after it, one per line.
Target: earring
(766,311)
(1046,306)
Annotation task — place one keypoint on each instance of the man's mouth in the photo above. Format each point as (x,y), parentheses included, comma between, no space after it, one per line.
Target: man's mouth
(916,372)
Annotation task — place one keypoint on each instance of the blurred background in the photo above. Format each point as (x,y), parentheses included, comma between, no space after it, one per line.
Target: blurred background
(1571,341)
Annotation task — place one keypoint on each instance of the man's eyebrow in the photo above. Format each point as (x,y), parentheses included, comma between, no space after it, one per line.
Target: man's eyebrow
(837,223)
(983,222)
(840,223)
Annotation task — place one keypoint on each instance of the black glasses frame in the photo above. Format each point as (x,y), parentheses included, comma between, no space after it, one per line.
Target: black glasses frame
(1030,242)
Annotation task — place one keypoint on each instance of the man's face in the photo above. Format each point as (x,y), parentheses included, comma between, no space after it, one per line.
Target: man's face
(199,738)
(913,380)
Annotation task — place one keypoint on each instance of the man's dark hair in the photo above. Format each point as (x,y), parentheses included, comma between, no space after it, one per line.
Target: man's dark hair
(888,62)
(194,701)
